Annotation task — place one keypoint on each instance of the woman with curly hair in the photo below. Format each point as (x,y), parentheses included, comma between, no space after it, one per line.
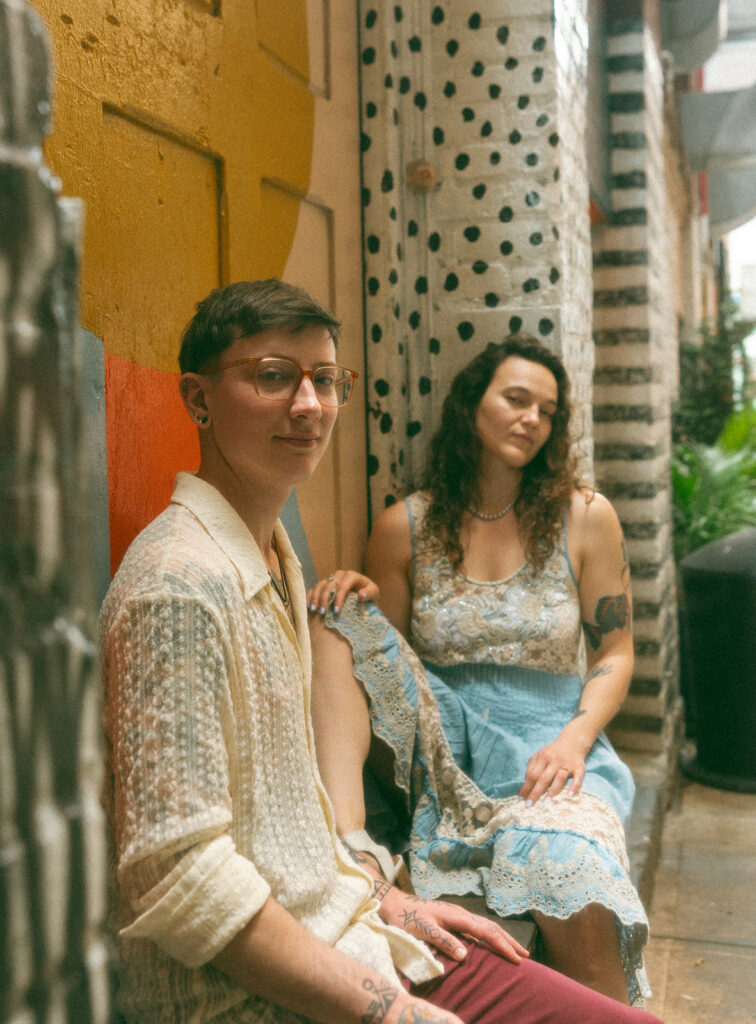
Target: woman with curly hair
(492,571)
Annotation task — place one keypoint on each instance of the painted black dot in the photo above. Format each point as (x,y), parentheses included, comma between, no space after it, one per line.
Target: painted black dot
(515,323)
(541,120)
(387,181)
(394,49)
(368,55)
(398,12)
(539,44)
(515,137)
(434,346)
(373,243)
(421,285)
(366,195)
(376,333)
(381,387)
(545,326)
(388,81)
(415,44)
(555,232)
(491,299)
(502,34)
(386,423)
(395,116)
(413,428)
(414,320)
(494,91)
(480,267)
(462,161)
(420,100)
(392,213)
(486,128)
(537,74)
(399,252)
(424,385)
(373,285)
(412,228)
(523,101)
(531,159)
(438,136)
(505,214)
(451,283)
(451,47)
(554,139)
(371,18)
(477,69)
(495,157)
(396,310)
(437,15)
(511,63)
(532,199)
(506,248)
(536,238)
(468,113)
(479,191)
(472,234)
(434,241)
(554,275)
(371,110)
(393,276)
(373,465)
(556,174)
(449,89)
(474,21)
(404,85)
(465,330)
(389,500)
(365,142)
(531,285)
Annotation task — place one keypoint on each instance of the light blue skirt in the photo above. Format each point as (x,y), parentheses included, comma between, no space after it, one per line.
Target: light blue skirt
(460,739)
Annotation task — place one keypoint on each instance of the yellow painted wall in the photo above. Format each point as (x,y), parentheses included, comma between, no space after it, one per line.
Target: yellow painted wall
(189,129)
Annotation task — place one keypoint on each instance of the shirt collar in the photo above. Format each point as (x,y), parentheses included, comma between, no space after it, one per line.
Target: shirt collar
(229,531)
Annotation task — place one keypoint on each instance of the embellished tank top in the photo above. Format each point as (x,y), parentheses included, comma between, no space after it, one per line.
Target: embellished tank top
(530,619)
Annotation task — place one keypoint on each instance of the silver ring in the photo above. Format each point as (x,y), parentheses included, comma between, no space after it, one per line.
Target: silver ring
(330,578)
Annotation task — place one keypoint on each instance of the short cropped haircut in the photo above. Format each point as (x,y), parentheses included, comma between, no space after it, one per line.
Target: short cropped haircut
(244,309)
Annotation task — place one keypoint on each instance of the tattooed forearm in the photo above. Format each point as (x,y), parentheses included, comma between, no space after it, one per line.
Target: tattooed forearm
(383,995)
(579,713)
(611,613)
(600,670)
(422,1015)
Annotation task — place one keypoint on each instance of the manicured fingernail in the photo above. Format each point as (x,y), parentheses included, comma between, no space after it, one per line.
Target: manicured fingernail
(321,611)
(362,596)
(311,608)
(461,951)
(528,803)
(548,797)
(336,609)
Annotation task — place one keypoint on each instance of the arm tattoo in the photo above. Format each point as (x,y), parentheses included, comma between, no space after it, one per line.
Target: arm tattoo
(625,566)
(611,613)
(417,1015)
(579,712)
(599,670)
(381,889)
(383,996)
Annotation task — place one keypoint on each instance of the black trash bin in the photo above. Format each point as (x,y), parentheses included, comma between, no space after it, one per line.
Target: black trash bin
(719,584)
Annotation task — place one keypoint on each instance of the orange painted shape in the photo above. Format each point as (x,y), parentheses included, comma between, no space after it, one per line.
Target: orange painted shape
(149,439)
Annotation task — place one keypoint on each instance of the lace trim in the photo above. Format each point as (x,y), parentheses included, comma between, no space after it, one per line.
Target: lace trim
(556,856)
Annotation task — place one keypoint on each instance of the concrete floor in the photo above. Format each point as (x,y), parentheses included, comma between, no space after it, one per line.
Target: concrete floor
(701,959)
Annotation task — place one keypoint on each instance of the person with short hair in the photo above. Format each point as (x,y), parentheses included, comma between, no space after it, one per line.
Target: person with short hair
(236,899)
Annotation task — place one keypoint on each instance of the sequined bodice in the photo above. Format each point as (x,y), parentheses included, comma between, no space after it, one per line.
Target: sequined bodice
(531,619)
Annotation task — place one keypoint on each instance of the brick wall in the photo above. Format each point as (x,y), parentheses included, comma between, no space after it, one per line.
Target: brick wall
(635,331)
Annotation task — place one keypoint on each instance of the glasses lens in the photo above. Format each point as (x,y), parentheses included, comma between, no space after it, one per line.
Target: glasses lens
(276,378)
(332,385)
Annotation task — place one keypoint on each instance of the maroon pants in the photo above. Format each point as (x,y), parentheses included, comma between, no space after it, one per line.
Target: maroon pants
(486,989)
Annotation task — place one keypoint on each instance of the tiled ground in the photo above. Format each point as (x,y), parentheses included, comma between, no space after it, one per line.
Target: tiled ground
(702,956)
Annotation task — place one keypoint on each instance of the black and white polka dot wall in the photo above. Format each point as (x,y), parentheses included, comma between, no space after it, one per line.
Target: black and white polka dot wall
(461,204)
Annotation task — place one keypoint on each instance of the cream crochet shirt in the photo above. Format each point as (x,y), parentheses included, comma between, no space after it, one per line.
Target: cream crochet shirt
(212,785)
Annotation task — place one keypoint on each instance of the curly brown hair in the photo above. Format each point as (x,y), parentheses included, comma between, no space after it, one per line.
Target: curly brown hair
(453,465)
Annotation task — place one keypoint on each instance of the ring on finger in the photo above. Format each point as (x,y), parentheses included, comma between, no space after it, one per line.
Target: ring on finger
(330,578)
(563,768)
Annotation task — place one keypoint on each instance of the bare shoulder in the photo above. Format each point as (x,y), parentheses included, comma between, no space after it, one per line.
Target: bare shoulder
(391,538)
(590,510)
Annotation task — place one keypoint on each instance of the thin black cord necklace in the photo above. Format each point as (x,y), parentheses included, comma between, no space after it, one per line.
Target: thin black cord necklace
(280,586)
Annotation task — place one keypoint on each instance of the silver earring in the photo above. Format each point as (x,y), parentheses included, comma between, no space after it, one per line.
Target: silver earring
(202,419)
